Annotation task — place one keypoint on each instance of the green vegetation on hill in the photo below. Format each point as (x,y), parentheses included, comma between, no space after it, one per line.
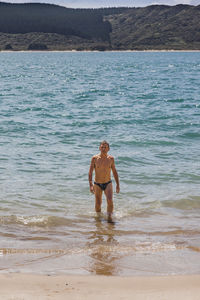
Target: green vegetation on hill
(52,27)
(156,27)
(34,17)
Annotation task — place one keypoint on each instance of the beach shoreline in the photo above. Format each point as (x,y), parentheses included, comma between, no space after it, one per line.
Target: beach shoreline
(97,51)
(28,286)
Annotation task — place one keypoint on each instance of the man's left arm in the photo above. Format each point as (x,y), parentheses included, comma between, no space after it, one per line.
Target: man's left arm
(115,174)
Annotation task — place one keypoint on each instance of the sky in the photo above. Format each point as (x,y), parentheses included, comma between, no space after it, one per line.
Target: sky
(107,3)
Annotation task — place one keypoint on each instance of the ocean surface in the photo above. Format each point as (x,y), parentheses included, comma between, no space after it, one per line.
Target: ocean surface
(55,108)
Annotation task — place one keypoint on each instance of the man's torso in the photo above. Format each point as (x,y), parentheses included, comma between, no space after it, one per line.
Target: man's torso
(102,168)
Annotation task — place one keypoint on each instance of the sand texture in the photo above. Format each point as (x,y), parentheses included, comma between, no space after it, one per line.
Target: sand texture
(28,287)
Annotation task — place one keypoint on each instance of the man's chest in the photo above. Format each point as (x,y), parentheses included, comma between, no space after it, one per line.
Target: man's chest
(103,163)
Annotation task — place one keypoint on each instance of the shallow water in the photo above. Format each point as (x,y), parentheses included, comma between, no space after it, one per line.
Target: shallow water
(55,108)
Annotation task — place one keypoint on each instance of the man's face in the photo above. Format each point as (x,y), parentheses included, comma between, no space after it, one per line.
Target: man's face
(104,148)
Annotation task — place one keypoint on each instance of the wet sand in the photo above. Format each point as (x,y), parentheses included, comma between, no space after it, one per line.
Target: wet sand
(26,286)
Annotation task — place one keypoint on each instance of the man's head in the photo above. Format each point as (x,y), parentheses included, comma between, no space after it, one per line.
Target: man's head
(104,147)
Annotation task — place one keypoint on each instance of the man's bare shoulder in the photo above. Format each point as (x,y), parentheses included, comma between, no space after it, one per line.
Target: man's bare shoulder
(111,157)
(95,156)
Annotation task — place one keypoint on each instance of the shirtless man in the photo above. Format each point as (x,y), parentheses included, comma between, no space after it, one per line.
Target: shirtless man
(103,163)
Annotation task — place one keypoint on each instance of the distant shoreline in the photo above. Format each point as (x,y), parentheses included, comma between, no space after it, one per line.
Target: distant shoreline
(112,51)
(28,27)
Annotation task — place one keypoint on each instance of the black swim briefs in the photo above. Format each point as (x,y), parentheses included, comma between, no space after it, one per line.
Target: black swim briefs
(103,186)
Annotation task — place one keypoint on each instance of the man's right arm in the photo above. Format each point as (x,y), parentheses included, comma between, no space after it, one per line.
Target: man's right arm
(92,165)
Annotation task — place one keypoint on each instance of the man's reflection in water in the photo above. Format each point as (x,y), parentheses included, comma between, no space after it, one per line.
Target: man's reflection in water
(101,247)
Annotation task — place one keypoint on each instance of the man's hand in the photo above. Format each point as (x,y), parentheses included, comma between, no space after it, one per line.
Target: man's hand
(117,189)
(92,188)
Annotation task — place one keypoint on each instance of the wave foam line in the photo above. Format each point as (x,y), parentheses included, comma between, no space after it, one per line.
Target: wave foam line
(101,248)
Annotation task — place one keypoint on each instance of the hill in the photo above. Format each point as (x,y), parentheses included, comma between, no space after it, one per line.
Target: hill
(37,26)
(156,27)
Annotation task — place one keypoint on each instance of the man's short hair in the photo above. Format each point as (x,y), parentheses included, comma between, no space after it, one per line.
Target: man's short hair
(105,142)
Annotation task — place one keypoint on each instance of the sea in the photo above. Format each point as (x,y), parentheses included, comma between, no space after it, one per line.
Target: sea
(55,109)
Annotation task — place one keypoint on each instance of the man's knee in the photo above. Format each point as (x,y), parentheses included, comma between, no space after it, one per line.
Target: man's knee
(110,203)
(98,204)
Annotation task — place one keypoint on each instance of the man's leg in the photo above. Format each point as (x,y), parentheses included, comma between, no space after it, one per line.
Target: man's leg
(98,198)
(109,196)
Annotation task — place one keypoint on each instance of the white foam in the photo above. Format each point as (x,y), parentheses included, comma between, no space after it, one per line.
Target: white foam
(32,220)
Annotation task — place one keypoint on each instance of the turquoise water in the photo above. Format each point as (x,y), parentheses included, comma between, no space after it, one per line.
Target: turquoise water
(55,109)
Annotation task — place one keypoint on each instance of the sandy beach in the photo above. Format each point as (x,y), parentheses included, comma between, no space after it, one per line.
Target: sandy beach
(28,287)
